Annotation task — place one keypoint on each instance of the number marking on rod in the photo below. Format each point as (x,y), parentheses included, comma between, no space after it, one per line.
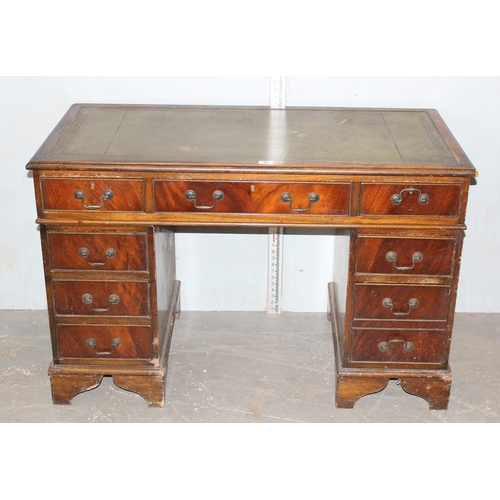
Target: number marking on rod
(275,270)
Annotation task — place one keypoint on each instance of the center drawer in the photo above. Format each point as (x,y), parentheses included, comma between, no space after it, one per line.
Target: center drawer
(109,298)
(248,197)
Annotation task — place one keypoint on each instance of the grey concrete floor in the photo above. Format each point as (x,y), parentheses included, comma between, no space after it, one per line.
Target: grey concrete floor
(247,367)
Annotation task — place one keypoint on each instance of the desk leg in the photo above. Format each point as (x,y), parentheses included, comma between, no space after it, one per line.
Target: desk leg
(65,387)
(151,388)
(435,391)
(350,389)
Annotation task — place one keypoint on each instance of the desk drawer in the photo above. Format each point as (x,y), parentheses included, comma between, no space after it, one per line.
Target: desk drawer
(93,194)
(411,199)
(98,251)
(104,342)
(399,256)
(108,298)
(397,346)
(247,197)
(398,303)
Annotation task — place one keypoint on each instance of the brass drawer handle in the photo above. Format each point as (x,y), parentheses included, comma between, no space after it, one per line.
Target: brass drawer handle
(88,299)
(191,196)
(423,198)
(384,346)
(393,257)
(412,304)
(287,198)
(114,343)
(109,254)
(106,196)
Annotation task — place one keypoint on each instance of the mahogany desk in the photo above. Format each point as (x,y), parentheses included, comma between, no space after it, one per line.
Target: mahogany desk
(113,181)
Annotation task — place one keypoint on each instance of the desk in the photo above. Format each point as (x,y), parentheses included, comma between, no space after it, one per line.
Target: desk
(113,181)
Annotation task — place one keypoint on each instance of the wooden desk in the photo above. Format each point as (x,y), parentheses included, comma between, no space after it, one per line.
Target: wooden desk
(112,182)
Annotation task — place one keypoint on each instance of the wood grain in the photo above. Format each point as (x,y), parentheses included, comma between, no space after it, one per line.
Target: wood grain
(121,177)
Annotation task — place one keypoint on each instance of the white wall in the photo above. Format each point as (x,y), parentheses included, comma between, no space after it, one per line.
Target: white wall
(31,106)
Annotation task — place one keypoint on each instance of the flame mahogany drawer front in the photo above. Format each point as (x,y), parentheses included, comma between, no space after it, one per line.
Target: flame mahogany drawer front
(98,251)
(400,303)
(411,199)
(104,342)
(397,346)
(93,194)
(401,255)
(108,298)
(248,197)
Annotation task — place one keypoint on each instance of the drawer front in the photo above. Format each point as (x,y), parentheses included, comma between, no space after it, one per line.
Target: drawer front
(105,195)
(101,298)
(411,199)
(104,342)
(401,302)
(247,197)
(98,251)
(406,256)
(401,346)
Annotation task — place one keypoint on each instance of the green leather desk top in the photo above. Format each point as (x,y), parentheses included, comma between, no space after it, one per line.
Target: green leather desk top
(296,138)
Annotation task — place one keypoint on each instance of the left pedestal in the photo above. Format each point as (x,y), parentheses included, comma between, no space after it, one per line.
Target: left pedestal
(112,299)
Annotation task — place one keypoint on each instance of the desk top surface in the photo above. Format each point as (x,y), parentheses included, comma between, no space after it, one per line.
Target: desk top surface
(157,137)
